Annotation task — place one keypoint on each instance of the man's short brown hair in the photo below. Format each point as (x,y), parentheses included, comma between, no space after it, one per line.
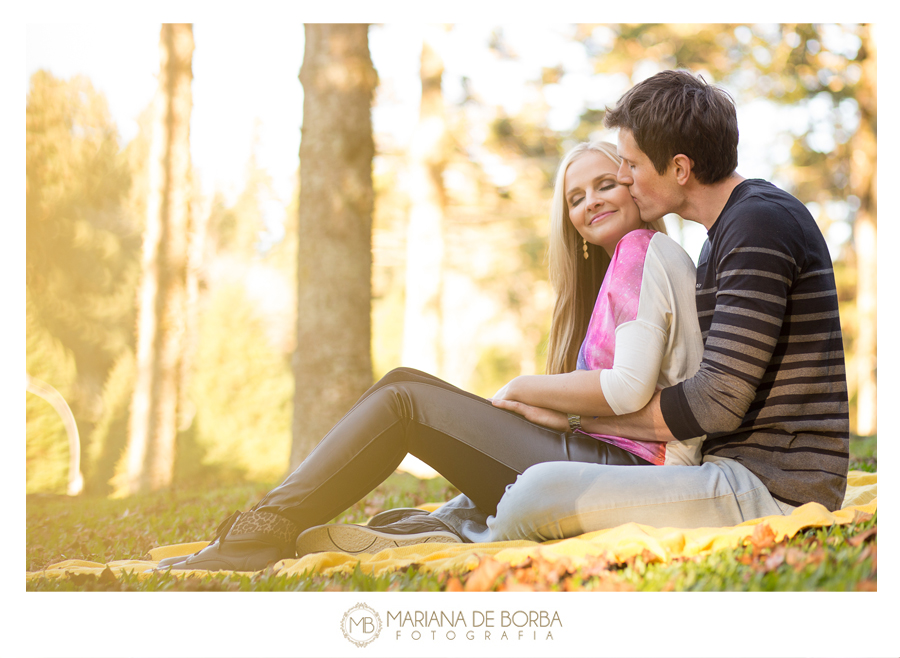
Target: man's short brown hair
(677,112)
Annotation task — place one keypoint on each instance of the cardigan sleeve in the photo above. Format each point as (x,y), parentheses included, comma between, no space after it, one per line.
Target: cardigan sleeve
(641,342)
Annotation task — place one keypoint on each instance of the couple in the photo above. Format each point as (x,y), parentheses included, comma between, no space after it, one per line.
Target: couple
(676,397)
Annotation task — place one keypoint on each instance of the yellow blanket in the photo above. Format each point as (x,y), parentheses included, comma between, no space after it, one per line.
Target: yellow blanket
(618,543)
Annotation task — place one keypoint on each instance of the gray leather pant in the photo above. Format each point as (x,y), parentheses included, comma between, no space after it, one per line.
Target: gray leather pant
(479,448)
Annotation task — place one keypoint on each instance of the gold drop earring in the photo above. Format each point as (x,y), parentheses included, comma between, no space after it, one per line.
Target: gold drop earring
(584,240)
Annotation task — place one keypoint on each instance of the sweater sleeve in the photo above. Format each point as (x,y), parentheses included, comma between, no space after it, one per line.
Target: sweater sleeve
(754,271)
(641,342)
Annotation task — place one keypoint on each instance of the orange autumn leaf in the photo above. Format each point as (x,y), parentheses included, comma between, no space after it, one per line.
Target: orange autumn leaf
(454,584)
(763,537)
(484,576)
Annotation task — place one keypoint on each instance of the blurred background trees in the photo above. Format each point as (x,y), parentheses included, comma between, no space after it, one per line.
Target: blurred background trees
(458,210)
(82,263)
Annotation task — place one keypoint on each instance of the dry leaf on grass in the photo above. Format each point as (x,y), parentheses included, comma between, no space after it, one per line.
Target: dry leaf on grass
(763,537)
(484,576)
(868,535)
(453,585)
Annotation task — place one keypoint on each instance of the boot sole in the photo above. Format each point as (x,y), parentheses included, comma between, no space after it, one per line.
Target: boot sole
(391,515)
(354,539)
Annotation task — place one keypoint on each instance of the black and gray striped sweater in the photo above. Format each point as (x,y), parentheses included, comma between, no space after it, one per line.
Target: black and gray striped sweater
(771,391)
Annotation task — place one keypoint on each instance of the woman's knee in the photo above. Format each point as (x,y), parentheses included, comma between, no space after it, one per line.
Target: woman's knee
(534,500)
(402,374)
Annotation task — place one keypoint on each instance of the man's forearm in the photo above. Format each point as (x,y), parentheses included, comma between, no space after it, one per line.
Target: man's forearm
(644,425)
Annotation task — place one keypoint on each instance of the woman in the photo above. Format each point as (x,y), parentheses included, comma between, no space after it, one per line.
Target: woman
(482,448)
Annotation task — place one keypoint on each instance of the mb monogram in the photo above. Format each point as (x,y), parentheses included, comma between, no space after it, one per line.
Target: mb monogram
(361,625)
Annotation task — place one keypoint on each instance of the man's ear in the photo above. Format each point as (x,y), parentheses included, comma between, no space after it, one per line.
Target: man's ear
(683,166)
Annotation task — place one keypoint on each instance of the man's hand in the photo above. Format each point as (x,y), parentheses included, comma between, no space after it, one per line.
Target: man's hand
(550,418)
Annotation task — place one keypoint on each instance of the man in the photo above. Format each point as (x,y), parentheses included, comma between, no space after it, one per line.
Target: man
(771,392)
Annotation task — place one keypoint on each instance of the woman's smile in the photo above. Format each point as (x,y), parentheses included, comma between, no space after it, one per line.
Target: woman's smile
(600,209)
(600,216)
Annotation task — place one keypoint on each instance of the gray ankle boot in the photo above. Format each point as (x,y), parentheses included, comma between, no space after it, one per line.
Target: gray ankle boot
(244,542)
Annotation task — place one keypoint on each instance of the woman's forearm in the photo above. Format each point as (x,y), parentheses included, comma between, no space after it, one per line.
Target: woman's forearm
(576,392)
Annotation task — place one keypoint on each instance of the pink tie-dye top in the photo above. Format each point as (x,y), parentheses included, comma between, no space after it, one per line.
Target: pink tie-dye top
(616,304)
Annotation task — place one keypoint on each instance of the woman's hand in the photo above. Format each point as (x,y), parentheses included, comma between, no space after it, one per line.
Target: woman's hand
(502,394)
(550,418)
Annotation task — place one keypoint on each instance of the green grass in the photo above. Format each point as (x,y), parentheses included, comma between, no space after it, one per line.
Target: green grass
(101,530)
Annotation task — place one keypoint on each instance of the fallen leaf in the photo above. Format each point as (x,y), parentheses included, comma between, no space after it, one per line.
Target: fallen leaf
(454,584)
(816,556)
(861,517)
(763,536)
(596,566)
(870,551)
(776,559)
(796,557)
(107,576)
(869,534)
(649,557)
(484,576)
(81,579)
(512,585)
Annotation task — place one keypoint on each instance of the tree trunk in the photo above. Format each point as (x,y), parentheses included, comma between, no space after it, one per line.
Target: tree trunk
(332,363)
(162,303)
(424,238)
(863,185)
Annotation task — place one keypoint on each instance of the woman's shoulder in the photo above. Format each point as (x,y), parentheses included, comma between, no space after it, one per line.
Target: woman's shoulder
(641,236)
(669,251)
(633,246)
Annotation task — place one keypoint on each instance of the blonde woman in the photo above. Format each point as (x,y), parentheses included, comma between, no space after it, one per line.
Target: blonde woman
(624,307)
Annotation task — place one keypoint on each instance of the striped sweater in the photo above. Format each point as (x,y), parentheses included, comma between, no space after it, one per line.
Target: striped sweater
(771,391)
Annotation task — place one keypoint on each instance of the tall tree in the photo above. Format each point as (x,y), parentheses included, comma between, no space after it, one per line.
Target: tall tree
(424,236)
(332,363)
(863,186)
(163,291)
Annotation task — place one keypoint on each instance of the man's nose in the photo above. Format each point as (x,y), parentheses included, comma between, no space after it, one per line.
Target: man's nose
(623,175)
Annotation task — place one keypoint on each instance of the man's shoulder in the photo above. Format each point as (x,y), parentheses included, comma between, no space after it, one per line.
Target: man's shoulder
(759,213)
(761,197)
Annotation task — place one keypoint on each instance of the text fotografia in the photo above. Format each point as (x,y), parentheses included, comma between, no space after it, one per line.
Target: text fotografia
(481,625)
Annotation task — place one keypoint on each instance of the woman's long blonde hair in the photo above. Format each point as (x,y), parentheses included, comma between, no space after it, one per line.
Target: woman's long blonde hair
(575,281)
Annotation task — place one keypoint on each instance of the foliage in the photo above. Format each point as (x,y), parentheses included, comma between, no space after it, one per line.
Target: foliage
(82,247)
(46,446)
(81,244)
(864,453)
(242,390)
